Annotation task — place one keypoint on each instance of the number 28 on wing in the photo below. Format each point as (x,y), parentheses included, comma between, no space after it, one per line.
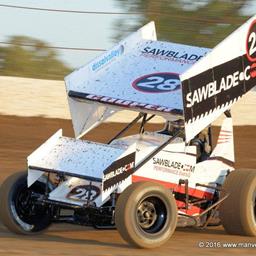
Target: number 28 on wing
(157,83)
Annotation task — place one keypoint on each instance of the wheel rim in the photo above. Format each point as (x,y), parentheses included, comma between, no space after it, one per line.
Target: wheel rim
(24,205)
(151,214)
(146,214)
(24,210)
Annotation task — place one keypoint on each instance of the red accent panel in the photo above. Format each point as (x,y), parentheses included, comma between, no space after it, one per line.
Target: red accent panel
(176,187)
(191,209)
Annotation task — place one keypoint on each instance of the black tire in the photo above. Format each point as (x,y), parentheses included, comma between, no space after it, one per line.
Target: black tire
(238,211)
(18,213)
(146,214)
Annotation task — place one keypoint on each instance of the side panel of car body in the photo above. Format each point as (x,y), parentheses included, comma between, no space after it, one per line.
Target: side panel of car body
(174,163)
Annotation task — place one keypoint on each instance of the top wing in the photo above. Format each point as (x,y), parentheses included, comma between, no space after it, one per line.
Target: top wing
(139,74)
(212,85)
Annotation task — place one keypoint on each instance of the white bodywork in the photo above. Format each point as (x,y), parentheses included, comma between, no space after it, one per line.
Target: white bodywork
(88,160)
(107,83)
(74,157)
(143,75)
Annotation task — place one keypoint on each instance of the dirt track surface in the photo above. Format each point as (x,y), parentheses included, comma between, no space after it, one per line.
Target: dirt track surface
(20,136)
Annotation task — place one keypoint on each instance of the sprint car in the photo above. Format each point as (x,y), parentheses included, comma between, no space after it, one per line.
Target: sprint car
(146,184)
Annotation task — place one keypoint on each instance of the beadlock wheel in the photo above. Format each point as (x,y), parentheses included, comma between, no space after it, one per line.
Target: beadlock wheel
(146,214)
(19,213)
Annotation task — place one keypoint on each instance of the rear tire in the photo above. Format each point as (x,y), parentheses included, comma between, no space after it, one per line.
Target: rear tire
(146,214)
(18,211)
(238,211)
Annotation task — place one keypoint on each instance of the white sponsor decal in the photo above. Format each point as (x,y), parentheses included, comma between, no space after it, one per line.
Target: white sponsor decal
(108,58)
(213,88)
(118,171)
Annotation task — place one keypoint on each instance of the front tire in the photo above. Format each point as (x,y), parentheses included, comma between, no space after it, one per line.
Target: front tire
(18,212)
(238,211)
(146,215)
